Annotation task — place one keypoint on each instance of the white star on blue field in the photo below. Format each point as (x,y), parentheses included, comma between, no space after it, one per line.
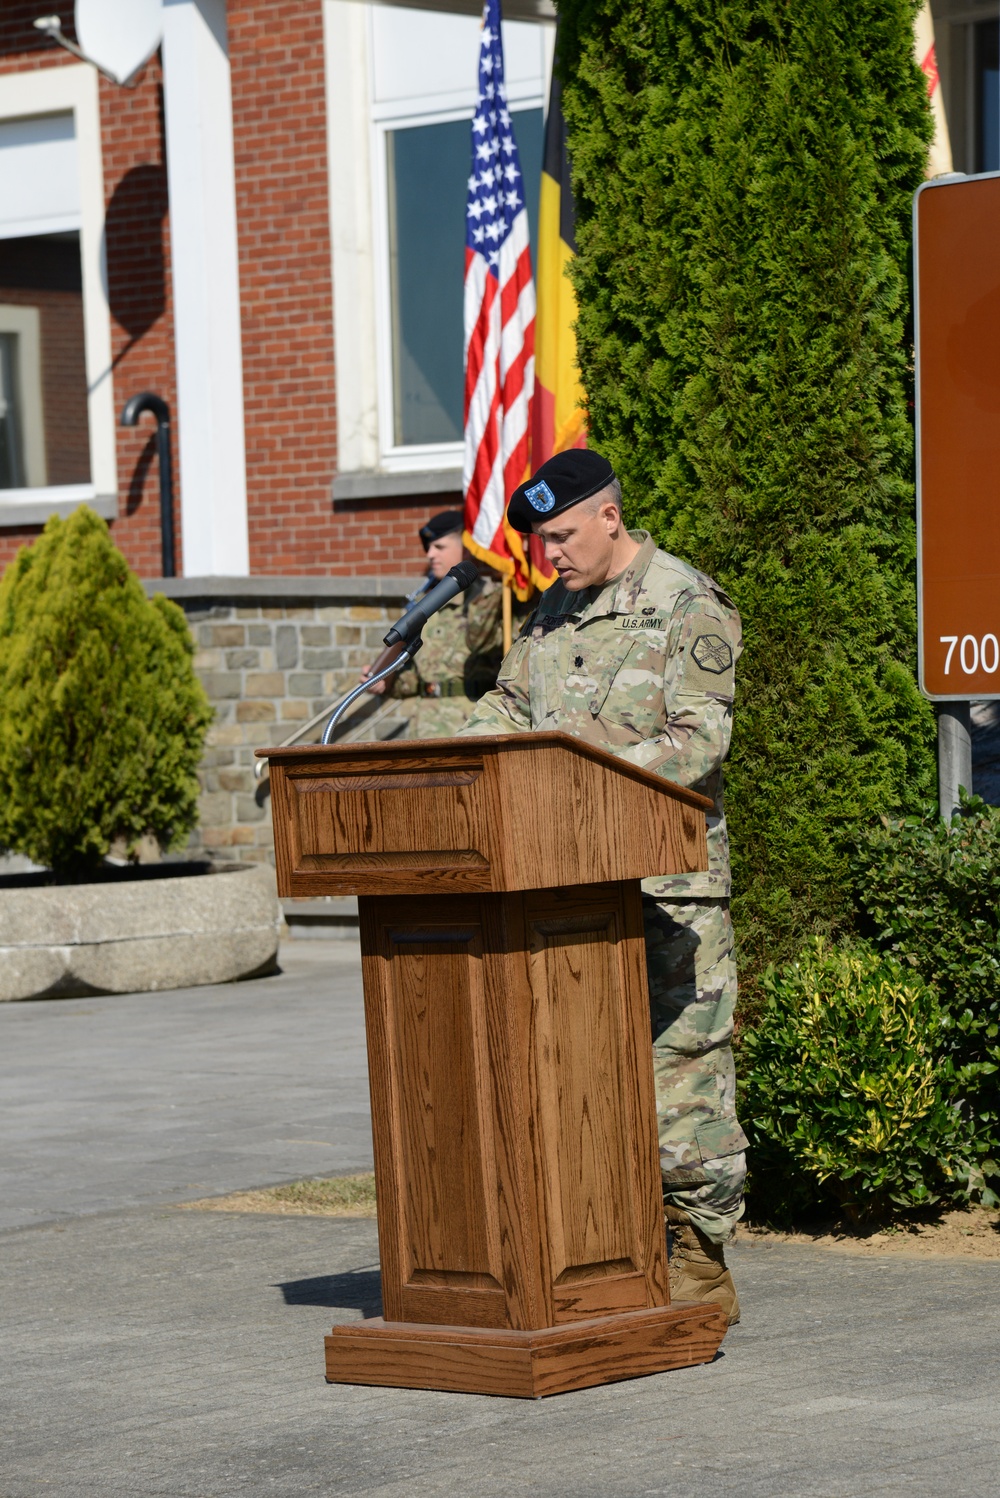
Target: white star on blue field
(495,196)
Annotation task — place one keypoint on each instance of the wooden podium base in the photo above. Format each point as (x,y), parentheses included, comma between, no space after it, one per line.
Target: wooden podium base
(524,1365)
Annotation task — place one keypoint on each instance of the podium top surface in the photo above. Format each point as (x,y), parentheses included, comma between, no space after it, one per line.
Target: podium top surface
(506,812)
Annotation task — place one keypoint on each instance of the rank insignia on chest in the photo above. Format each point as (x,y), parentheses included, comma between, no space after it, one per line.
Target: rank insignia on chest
(635,624)
(713,653)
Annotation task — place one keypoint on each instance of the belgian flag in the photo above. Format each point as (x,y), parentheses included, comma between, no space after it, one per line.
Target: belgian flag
(559,418)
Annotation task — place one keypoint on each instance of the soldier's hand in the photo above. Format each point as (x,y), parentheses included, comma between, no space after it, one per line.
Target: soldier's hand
(378,688)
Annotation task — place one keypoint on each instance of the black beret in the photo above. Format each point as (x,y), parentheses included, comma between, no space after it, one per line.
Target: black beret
(561,482)
(445,523)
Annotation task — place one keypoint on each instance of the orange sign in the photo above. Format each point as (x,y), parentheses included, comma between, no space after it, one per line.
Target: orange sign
(957,275)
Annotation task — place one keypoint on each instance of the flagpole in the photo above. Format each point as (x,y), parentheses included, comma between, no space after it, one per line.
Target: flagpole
(508,615)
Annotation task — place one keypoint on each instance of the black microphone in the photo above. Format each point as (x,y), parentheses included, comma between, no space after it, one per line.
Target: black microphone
(456,581)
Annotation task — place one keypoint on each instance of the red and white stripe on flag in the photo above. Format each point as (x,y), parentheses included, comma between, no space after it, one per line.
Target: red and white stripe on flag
(499,322)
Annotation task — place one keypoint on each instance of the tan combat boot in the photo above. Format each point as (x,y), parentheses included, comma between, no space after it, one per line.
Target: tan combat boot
(698,1266)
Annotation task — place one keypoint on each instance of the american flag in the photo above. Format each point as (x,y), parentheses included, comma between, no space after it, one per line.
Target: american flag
(499,319)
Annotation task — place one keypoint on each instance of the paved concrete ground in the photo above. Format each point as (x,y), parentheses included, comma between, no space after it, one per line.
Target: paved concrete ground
(112,1102)
(151,1350)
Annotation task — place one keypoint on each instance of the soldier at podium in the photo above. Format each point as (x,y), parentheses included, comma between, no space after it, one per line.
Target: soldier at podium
(463,642)
(635,651)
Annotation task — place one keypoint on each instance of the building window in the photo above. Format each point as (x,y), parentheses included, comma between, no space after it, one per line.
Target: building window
(967,44)
(57,418)
(43,372)
(422,94)
(11,461)
(427,168)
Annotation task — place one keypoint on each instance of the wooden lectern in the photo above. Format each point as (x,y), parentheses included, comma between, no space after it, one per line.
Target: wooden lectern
(520,1217)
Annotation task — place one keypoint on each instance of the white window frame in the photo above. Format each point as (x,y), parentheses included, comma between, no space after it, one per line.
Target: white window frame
(406,114)
(402,457)
(359,233)
(62,90)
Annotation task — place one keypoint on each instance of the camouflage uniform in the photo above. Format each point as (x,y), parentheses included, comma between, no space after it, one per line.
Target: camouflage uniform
(644,667)
(462,650)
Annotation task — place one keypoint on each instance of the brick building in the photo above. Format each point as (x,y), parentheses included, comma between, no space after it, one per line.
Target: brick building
(266,230)
(264,227)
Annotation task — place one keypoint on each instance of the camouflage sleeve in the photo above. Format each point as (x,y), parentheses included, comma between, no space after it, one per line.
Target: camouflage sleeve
(506,709)
(698,685)
(405,683)
(484,627)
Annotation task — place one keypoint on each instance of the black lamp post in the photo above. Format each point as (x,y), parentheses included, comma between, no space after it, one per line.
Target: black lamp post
(158,407)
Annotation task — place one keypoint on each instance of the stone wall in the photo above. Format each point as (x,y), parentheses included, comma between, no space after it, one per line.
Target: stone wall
(271,653)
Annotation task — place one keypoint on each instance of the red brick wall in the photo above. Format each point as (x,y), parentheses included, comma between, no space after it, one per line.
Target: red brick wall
(140,296)
(282,206)
(138,271)
(379,536)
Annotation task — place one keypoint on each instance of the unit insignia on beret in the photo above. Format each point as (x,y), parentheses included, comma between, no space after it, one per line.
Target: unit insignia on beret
(540,497)
(713,653)
(561,482)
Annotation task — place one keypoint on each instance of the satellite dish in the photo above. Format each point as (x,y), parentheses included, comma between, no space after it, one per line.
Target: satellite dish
(120,36)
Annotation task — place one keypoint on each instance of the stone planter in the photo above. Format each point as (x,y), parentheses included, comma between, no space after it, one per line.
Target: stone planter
(138,935)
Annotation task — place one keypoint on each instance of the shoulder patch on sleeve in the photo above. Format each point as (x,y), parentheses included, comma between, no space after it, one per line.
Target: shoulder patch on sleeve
(712,653)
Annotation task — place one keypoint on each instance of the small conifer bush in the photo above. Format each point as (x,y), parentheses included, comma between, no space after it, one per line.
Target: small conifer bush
(931,892)
(102,718)
(849,1095)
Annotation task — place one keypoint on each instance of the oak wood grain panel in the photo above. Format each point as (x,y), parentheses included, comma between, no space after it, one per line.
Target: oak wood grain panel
(508,1007)
(592,824)
(580,1052)
(283,823)
(383,1087)
(606,1013)
(463,752)
(524,1364)
(457,860)
(443,1108)
(398,1361)
(590,817)
(440,1305)
(400,780)
(440,818)
(669,1337)
(445,1124)
(370,879)
(601,1295)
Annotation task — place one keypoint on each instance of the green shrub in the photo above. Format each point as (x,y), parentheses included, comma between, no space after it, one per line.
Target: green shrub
(743,174)
(848,1095)
(932,894)
(102,719)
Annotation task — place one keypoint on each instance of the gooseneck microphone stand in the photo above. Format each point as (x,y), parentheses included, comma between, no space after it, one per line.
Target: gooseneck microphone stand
(397,665)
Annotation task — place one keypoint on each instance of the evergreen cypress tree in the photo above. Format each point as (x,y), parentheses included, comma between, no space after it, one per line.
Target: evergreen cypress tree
(743,172)
(102,718)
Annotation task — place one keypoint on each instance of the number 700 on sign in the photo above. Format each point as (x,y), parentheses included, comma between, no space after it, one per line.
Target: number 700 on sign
(974,654)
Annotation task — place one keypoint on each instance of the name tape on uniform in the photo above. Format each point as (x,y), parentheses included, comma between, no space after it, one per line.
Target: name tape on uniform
(635,622)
